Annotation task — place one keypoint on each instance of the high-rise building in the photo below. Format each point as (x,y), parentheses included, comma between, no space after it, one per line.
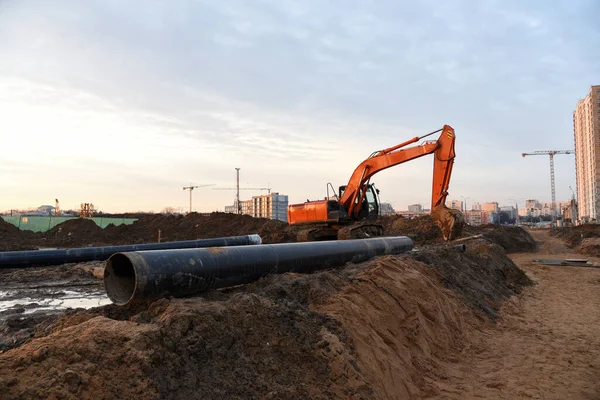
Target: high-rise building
(586,129)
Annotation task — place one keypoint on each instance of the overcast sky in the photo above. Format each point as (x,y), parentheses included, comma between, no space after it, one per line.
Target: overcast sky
(122,103)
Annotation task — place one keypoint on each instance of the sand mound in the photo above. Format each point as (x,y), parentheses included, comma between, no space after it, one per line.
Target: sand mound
(381,329)
(404,326)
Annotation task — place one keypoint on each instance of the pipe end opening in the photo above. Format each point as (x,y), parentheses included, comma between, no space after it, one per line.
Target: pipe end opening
(255,239)
(119,279)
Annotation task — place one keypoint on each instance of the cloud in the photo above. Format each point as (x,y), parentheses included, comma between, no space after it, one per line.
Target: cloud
(297,93)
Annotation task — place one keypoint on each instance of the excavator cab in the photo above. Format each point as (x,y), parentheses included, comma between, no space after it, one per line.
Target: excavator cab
(369,209)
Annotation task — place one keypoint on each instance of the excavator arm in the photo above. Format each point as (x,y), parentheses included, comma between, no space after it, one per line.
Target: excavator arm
(449,221)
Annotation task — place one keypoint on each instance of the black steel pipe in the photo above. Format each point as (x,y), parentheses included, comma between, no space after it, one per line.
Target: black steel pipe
(146,275)
(60,256)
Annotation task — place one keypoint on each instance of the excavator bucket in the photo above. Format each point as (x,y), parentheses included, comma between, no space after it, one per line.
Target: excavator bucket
(450,221)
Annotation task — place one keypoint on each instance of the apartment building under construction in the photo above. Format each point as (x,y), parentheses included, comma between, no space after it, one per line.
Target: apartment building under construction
(271,206)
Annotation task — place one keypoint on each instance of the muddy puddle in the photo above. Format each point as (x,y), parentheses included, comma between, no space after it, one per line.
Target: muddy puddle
(29,296)
(13,302)
(51,289)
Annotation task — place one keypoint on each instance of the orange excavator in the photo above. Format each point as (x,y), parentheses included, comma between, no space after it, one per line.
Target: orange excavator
(353,213)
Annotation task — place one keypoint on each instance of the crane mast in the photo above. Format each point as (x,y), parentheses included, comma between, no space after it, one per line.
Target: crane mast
(191,189)
(550,154)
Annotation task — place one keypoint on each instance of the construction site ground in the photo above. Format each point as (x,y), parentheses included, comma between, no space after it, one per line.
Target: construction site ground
(433,323)
(546,345)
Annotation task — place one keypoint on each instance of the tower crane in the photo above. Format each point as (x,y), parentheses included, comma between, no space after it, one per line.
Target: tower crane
(551,154)
(191,188)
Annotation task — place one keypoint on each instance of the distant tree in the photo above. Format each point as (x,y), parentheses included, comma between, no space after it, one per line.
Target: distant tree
(169,210)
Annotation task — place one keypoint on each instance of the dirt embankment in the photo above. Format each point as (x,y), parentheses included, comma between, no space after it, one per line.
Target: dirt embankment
(424,231)
(195,226)
(84,232)
(384,329)
(583,238)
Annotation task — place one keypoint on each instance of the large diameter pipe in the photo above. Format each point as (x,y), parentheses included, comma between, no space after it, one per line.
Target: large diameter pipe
(61,256)
(145,275)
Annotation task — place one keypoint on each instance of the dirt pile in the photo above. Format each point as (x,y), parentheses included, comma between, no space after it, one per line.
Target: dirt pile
(196,226)
(574,235)
(482,276)
(421,229)
(84,232)
(387,328)
(424,231)
(13,238)
(513,239)
(76,233)
(584,237)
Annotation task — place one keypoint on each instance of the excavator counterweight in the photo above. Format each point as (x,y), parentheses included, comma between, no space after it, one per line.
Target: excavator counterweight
(351,215)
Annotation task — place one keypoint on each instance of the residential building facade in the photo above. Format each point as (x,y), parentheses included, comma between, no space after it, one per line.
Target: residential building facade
(271,206)
(490,207)
(586,130)
(475,217)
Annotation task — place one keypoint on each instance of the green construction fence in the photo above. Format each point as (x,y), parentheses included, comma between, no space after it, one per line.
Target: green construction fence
(38,223)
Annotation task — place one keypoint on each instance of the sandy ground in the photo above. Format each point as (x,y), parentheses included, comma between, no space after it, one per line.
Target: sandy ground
(547,343)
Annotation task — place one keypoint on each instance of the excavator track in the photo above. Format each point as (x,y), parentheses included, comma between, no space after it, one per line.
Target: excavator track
(361,231)
(317,234)
(356,231)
